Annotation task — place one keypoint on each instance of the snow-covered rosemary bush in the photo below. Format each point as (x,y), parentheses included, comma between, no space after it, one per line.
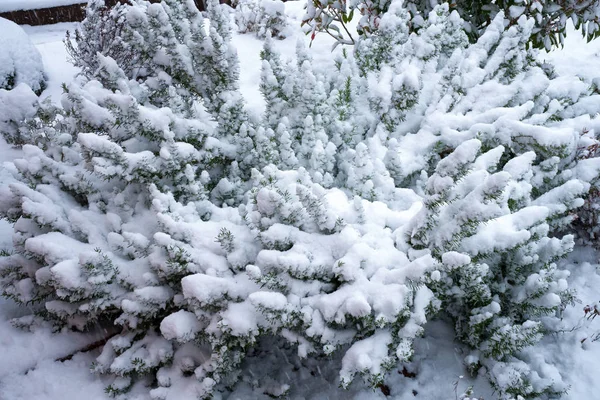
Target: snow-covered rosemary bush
(163,45)
(27,120)
(421,175)
(16,106)
(102,32)
(264,17)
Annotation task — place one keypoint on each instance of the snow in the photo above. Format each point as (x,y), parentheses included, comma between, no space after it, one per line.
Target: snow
(206,289)
(19,59)
(29,370)
(366,355)
(68,380)
(273,7)
(67,273)
(269,300)
(48,39)
(182,325)
(240,320)
(249,46)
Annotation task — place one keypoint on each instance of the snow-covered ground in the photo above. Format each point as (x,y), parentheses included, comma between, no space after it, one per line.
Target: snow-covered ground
(28,366)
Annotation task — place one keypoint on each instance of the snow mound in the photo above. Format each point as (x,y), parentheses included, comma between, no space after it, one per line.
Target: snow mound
(20,61)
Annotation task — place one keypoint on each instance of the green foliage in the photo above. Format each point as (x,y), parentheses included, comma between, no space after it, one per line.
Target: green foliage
(550,17)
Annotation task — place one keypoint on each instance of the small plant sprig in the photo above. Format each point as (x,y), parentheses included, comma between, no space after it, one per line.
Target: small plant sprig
(590,314)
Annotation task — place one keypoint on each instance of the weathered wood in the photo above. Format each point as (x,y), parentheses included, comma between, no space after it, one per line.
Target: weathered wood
(72,13)
(46,16)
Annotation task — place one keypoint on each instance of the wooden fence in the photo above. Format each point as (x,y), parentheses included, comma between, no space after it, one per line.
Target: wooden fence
(53,15)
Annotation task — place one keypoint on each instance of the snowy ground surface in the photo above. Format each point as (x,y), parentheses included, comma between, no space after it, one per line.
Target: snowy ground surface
(28,366)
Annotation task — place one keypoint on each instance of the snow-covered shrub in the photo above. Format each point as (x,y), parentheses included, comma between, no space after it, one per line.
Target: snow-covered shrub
(426,92)
(550,17)
(98,182)
(183,64)
(24,119)
(102,32)
(499,275)
(16,106)
(167,46)
(288,265)
(80,193)
(20,61)
(527,182)
(264,17)
(353,286)
(422,174)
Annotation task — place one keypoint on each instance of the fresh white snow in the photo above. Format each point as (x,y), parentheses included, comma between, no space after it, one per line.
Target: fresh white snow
(19,59)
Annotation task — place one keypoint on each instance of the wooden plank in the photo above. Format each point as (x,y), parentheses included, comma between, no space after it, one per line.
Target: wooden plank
(46,16)
(53,15)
